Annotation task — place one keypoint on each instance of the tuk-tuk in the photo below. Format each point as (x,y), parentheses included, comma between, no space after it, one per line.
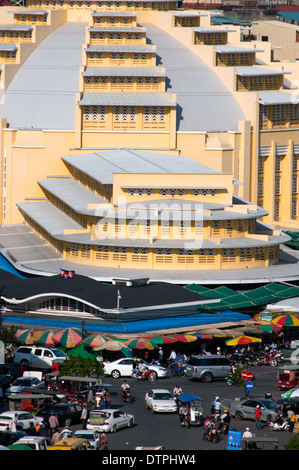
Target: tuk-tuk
(287,377)
(260,443)
(194,404)
(28,402)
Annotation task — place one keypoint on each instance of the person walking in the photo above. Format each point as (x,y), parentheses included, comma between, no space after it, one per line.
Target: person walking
(84,416)
(53,423)
(56,437)
(14,422)
(257,417)
(107,398)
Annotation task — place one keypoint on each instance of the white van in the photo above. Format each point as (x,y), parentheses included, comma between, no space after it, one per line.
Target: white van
(39,356)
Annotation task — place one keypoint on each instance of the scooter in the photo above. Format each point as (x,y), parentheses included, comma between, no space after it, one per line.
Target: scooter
(149,375)
(126,395)
(212,435)
(284,426)
(185,421)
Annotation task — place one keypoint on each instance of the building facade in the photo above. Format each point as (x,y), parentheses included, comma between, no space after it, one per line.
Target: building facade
(136,135)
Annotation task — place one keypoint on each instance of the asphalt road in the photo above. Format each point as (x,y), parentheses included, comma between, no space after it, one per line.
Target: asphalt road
(154,429)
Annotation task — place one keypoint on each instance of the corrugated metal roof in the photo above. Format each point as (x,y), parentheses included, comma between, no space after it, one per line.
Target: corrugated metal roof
(128,29)
(124,71)
(8,46)
(73,194)
(49,217)
(114,13)
(148,48)
(123,99)
(199,29)
(102,165)
(42,95)
(257,71)
(29,12)
(231,49)
(278,97)
(16,27)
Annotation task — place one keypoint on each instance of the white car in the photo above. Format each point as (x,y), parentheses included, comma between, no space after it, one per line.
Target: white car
(92,436)
(24,419)
(23,382)
(34,442)
(39,356)
(124,368)
(160,400)
(109,420)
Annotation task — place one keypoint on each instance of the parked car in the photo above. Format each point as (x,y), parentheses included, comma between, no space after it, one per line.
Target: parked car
(92,436)
(123,368)
(34,442)
(39,356)
(208,368)
(7,437)
(109,420)
(24,419)
(160,400)
(65,411)
(24,382)
(245,409)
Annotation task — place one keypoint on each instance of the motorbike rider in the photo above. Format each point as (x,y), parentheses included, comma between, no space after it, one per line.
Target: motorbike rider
(125,388)
(224,422)
(184,412)
(177,391)
(216,406)
(206,427)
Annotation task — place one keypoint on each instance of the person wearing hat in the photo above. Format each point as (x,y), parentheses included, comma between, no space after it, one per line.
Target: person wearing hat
(257,416)
(245,435)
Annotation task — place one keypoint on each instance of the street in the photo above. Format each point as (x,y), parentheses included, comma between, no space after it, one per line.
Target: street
(157,429)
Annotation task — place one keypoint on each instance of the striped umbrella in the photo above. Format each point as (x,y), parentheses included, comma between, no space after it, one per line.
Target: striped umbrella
(286,320)
(45,337)
(200,335)
(215,332)
(68,337)
(270,327)
(25,336)
(242,340)
(184,338)
(94,341)
(141,343)
(164,339)
(232,333)
(112,345)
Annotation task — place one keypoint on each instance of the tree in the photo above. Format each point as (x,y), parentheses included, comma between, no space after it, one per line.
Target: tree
(293,443)
(81,367)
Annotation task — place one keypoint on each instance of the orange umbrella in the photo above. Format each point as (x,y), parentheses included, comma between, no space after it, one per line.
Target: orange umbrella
(187,338)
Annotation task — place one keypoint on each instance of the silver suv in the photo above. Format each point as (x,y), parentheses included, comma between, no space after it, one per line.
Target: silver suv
(39,356)
(208,368)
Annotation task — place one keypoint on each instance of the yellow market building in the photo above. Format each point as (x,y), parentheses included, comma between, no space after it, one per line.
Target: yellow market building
(137,136)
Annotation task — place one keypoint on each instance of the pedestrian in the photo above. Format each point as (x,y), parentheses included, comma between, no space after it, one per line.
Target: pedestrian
(257,416)
(90,397)
(53,423)
(245,435)
(56,437)
(161,354)
(103,441)
(84,416)
(292,422)
(107,398)
(14,422)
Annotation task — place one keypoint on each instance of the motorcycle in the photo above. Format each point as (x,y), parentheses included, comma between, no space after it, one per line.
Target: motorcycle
(284,426)
(185,421)
(126,395)
(212,435)
(148,375)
